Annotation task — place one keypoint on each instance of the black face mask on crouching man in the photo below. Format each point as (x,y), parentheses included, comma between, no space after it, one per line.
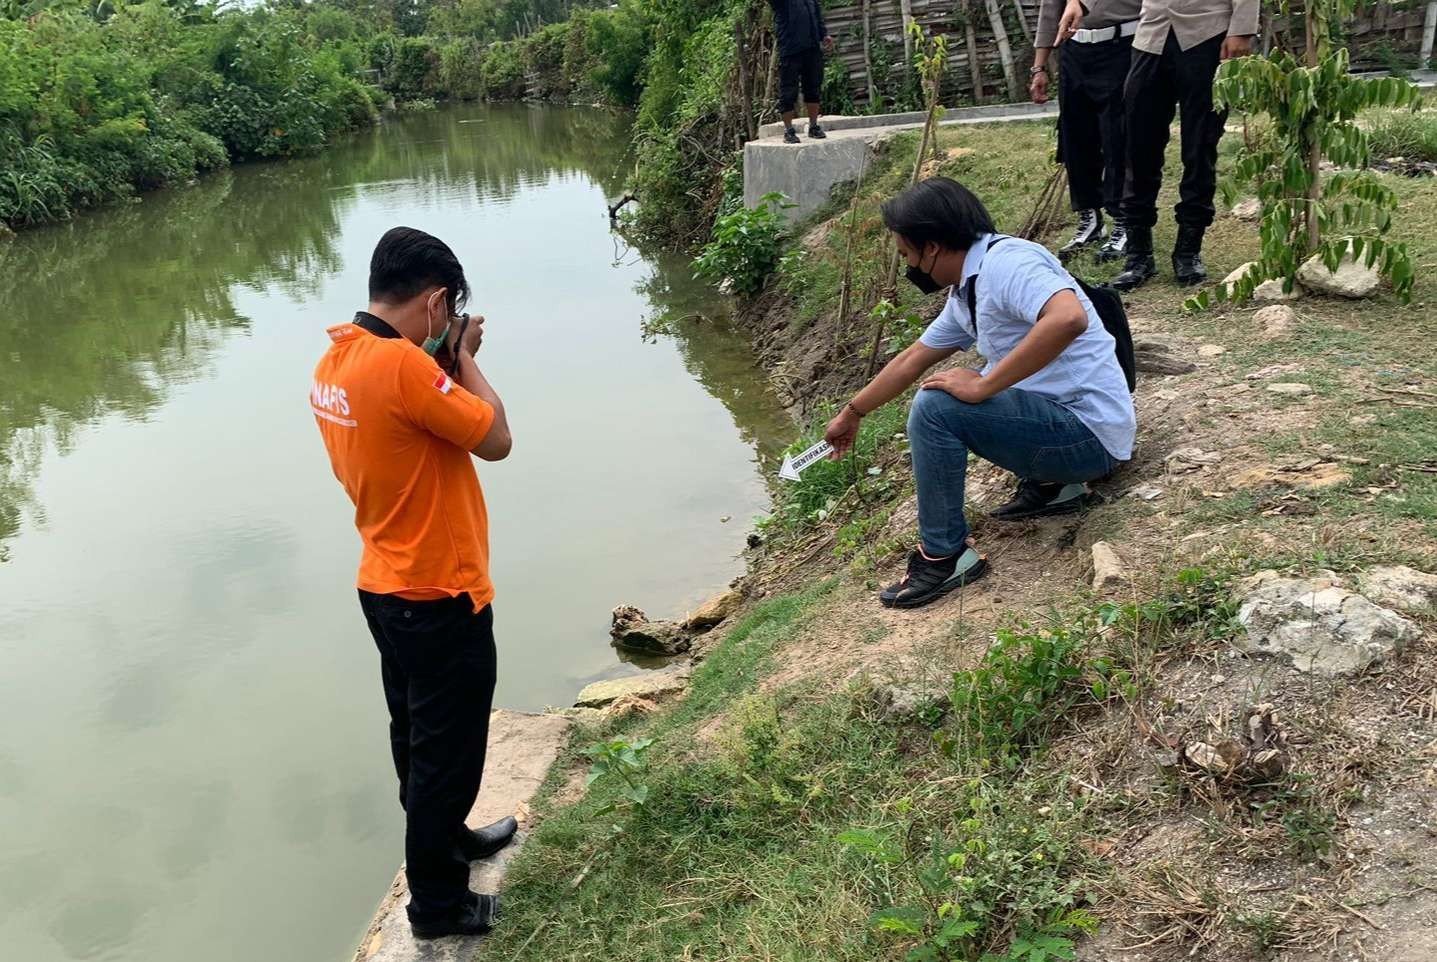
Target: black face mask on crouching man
(921,279)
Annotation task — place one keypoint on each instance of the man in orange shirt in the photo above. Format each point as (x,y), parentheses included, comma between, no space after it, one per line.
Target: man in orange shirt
(403,408)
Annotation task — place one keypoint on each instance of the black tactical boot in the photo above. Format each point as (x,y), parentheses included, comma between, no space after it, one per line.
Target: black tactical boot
(1188,268)
(1089,232)
(1140,266)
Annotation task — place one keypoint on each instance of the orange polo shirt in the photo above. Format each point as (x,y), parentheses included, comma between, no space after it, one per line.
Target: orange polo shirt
(399,432)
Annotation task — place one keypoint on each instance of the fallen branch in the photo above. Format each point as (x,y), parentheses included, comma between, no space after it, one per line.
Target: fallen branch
(615,207)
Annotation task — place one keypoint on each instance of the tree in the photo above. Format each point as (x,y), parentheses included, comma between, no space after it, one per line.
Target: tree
(1312,103)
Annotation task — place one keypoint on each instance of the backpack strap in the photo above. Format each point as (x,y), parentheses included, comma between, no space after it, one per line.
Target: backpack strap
(971,291)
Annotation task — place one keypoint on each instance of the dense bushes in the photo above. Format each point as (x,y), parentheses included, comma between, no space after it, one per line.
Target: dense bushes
(100,100)
(92,110)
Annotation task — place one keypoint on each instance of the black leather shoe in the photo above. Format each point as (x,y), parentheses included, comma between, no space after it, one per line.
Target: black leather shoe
(1035,500)
(1089,232)
(475,844)
(1140,266)
(929,580)
(473,918)
(815,132)
(1188,268)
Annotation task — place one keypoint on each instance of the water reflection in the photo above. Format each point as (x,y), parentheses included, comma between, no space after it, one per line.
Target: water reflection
(190,700)
(108,313)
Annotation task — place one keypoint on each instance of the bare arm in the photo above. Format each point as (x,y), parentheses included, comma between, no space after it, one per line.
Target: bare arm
(1061,321)
(890,382)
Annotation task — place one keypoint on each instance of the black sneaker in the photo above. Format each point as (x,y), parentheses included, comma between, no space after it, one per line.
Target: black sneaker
(475,844)
(1089,232)
(930,580)
(1035,499)
(475,917)
(1115,248)
(815,132)
(790,136)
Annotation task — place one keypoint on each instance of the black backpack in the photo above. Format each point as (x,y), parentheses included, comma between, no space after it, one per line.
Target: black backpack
(1109,307)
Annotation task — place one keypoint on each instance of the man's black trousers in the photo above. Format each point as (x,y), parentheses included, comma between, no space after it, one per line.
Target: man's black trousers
(438,663)
(1157,84)
(804,68)
(1091,122)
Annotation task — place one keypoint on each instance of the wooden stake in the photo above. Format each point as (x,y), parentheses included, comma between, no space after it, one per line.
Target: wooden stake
(1005,52)
(975,66)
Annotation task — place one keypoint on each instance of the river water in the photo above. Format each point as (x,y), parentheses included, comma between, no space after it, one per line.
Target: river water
(193,758)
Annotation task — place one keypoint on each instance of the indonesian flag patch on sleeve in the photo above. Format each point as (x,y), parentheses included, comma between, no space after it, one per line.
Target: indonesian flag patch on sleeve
(442,383)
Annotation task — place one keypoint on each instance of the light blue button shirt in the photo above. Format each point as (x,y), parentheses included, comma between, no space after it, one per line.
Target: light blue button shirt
(1015,281)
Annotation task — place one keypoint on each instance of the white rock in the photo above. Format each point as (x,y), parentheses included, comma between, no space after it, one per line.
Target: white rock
(1109,572)
(1351,279)
(649,684)
(1249,209)
(1318,625)
(1211,350)
(1275,320)
(1237,274)
(1400,587)
(1272,291)
(1291,388)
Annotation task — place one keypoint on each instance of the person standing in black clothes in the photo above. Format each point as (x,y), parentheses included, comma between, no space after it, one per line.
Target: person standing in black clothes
(1176,53)
(1091,144)
(802,39)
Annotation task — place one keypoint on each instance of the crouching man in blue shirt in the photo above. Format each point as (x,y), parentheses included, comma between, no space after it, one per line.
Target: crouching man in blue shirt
(1051,405)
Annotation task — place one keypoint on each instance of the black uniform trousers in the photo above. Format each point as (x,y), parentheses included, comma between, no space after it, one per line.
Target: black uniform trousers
(1157,85)
(438,663)
(1091,140)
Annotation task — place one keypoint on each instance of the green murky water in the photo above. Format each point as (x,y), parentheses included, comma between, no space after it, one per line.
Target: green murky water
(193,760)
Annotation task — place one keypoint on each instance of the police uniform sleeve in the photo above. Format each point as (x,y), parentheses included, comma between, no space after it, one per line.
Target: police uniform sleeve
(437,403)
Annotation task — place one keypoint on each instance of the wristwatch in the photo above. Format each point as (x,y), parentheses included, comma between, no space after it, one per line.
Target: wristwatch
(1034,70)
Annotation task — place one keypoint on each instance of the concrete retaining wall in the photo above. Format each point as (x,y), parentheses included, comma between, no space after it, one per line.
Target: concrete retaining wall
(806,173)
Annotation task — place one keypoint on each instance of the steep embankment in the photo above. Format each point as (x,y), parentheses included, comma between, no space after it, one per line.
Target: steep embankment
(1039,757)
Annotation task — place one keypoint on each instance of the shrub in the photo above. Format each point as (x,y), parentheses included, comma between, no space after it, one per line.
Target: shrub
(744,248)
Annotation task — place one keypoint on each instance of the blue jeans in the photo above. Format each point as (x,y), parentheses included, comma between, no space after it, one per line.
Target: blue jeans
(1034,437)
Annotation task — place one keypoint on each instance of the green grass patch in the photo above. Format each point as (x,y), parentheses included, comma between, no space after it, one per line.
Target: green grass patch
(810,825)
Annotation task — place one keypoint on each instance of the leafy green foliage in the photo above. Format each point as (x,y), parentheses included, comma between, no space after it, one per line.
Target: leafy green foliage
(150,94)
(622,763)
(1312,106)
(745,246)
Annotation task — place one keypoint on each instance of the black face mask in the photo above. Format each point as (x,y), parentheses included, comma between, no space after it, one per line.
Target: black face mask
(921,279)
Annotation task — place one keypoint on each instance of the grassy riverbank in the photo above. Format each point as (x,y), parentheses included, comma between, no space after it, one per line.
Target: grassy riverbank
(993,777)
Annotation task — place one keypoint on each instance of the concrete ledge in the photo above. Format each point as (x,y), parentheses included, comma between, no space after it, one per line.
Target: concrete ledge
(806,173)
(522,749)
(915,117)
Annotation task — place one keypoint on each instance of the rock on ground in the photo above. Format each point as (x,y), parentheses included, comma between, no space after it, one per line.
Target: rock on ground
(1400,587)
(1248,209)
(653,685)
(1351,279)
(713,611)
(1275,320)
(633,631)
(905,700)
(1153,355)
(1109,572)
(1272,291)
(1291,388)
(1318,625)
